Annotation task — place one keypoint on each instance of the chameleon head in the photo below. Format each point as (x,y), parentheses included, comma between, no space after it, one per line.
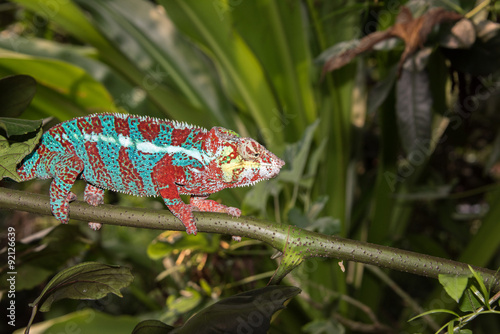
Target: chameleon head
(241,161)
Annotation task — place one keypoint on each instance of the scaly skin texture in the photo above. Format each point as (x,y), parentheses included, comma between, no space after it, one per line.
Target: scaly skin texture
(146,157)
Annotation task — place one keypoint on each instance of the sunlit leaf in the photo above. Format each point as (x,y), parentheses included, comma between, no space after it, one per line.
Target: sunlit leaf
(171,241)
(454,285)
(13,153)
(63,90)
(243,77)
(143,32)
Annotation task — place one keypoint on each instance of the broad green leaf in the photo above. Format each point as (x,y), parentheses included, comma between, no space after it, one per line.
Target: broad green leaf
(17,127)
(13,153)
(185,303)
(316,157)
(296,156)
(170,241)
(257,197)
(454,285)
(88,280)
(16,93)
(247,312)
(142,32)
(152,327)
(68,16)
(64,90)
(71,19)
(125,94)
(470,301)
(414,111)
(279,41)
(243,77)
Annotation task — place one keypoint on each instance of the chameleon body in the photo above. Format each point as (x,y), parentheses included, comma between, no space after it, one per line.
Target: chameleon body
(146,157)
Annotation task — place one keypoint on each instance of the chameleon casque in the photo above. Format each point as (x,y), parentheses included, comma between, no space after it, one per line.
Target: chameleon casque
(146,156)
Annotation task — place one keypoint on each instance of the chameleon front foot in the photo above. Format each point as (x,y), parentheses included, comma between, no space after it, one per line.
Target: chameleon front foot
(208,205)
(60,208)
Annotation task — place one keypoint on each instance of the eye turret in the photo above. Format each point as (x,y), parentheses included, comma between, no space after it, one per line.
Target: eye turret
(248,150)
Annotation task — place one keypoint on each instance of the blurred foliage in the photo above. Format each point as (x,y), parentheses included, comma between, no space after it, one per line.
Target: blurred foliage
(404,158)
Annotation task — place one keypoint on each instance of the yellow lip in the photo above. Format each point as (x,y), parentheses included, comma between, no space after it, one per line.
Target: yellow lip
(228,168)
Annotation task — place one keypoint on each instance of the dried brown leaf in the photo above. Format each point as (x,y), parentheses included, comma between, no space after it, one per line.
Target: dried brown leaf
(345,57)
(413,31)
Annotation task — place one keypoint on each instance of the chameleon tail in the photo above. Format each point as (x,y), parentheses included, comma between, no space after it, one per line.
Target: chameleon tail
(28,168)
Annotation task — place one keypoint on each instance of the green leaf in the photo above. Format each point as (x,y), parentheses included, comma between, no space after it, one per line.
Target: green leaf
(257,197)
(379,93)
(435,311)
(12,153)
(188,300)
(247,312)
(16,93)
(281,45)
(414,110)
(470,302)
(64,91)
(16,126)
(480,282)
(296,156)
(141,31)
(243,77)
(454,285)
(152,327)
(170,241)
(88,280)
(126,95)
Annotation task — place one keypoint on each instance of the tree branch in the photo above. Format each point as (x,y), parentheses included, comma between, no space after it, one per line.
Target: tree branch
(282,237)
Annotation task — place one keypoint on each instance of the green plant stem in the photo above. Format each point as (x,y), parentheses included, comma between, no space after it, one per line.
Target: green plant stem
(33,314)
(305,243)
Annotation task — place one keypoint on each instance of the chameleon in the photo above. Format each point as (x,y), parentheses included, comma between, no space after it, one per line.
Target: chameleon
(145,156)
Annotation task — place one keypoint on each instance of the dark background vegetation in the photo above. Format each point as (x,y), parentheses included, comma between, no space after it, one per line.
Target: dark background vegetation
(405,153)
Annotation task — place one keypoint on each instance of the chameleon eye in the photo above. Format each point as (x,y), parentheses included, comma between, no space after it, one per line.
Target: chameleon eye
(247,151)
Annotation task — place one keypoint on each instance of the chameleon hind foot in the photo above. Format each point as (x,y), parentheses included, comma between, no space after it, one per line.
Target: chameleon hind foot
(94,196)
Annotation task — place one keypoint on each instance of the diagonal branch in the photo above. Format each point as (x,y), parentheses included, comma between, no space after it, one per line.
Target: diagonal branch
(309,244)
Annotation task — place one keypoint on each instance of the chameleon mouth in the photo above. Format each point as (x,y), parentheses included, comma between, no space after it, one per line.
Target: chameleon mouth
(279,163)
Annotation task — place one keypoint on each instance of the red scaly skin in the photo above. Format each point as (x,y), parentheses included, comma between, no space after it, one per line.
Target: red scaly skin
(147,157)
